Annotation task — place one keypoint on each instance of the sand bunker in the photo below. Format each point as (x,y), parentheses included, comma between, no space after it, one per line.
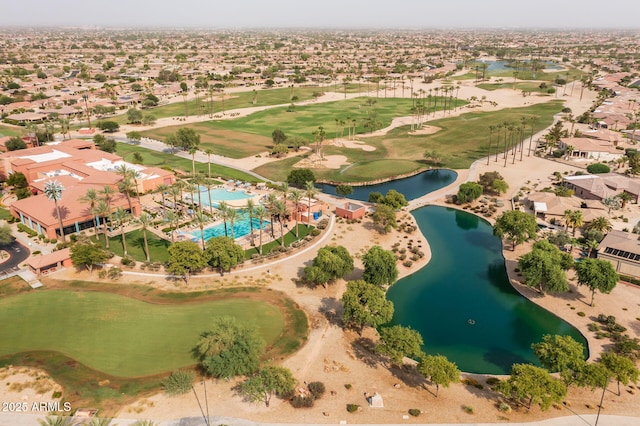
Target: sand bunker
(346,143)
(426,130)
(328,162)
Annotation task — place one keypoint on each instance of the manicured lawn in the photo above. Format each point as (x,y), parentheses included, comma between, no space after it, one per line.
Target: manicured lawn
(278,96)
(135,246)
(250,135)
(84,386)
(5,214)
(526,86)
(118,335)
(162,159)
(304,120)
(461,141)
(290,237)
(226,142)
(9,131)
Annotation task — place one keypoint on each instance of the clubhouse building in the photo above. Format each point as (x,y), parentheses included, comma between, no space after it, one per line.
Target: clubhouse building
(78,166)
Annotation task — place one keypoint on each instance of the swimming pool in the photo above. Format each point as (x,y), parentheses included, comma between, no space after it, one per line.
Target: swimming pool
(241,228)
(220,194)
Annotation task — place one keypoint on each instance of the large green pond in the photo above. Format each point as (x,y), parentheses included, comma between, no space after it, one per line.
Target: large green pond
(462,302)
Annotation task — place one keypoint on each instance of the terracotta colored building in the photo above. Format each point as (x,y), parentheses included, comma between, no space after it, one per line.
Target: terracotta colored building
(78,167)
(351,211)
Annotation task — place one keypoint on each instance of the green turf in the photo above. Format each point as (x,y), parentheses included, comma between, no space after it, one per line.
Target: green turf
(9,131)
(265,97)
(135,246)
(162,159)
(250,135)
(290,237)
(119,335)
(523,87)
(462,140)
(5,214)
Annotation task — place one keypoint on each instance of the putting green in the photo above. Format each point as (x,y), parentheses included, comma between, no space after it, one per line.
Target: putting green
(119,335)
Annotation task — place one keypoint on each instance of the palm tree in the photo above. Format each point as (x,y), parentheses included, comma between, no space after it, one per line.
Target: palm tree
(567,219)
(193,151)
(201,219)
(224,208)
(251,214)
(209,183)
(577,220)
(280,211)
(53,190)
(171,217)
(491,129)
(261,214)
(232,215)
(624,197)
(208,151)
(92,198)
(284,188)
(591,245)
(58,421)
(162,188)
(296,196)
(101,209)
(601,224)
(107,193)
(175,192)
(269,203)
(145,220)
(125,186)
(310,191)
(121,216)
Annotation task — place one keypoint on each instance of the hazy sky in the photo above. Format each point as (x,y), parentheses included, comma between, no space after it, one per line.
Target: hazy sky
(570,14)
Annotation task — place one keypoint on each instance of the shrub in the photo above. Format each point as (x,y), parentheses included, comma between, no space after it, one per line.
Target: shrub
(314,232)
(407,263)
(581,314)
(316,389)
(128,261)
(114,273)
(472,382)
(347,386)
(301,401)
(414,412)
(178,383)
(504,407)
(492,381)
(352,408)
(102,274)
(24,228)
(467,409)
(596,168)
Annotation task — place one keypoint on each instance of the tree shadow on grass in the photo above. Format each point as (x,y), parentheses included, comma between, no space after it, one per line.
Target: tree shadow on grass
(365,350)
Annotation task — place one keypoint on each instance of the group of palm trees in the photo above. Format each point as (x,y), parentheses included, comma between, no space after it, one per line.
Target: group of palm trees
(513,136)
(274,207)
(424,105)
(100,205)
